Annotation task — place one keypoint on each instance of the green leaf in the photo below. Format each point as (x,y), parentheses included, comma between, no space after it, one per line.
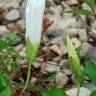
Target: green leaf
(90,70)
(12,52)
(13,38)
(54,92)
(50,78)
(73,58)
(8,40)
(79,11)
(91,3)
(3,81)
(12,64)
(6,92)
(93,93)
(3,45)
(31,50)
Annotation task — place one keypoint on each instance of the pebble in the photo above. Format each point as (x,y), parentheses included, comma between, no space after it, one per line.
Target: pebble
(56,49)
(51,67)
(61,80)
(64,63)
(76,42)
(72,2)
(83,92)
(56,40)
(22,54)
(56,10)
(93,24)
(83,35)
(72,32)
(67,72)
(33,80)
(11,5)
(12,15)
(22,24)
(64,23)
(63,47)
(37,63)
(85,47)
(3,30)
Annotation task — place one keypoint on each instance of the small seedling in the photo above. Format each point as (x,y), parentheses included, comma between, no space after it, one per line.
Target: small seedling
(74,62)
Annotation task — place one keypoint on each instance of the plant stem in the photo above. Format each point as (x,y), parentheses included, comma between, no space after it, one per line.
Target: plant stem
(78,90)
(28,77)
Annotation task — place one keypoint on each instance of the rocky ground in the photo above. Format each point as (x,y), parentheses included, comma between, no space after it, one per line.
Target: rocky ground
(52,56)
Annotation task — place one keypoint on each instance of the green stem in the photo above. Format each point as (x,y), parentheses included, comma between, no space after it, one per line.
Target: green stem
(78,90)
(28,77)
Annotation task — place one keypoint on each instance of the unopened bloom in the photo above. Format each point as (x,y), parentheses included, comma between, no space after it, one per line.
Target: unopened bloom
(34,20)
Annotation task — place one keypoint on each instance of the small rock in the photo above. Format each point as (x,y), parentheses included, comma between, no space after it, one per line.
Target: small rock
(85,47)
(49,3)
(83,35)
(12,15)
(67,23)
(63,48)
(19,47)
(18,1)
(22,24)
(21,61)
(33,80)
(61,80)
(37,64)
(22,54)
(3,30)
(64,63)
(56,49)
(83,92)
(93,24)
(68,72)
(12,4)
(72,32)
(56,10)
(93,31)
(72,2)
(55,19)
(51,67)
(57,40)
(76,42)
(57,59)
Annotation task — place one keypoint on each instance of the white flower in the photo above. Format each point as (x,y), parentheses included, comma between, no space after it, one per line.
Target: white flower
(34,20)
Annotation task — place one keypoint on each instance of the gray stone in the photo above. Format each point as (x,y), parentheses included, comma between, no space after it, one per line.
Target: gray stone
(37,63)
(56,10)
(76,42)
(83,92)
(3,30)
(22,24)
(56,49)
(51,67)
(64,64)
(72,2)
(12,4)
(63,47)
(61,80)
(12,15)
(83,35)
(72,32)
